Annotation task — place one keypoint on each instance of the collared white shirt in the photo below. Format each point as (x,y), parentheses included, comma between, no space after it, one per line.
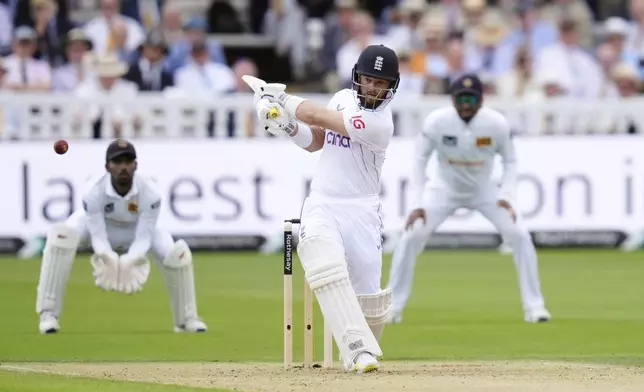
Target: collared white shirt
(98,31)
(211,78)
(465,153)
(35,71)
(139,208)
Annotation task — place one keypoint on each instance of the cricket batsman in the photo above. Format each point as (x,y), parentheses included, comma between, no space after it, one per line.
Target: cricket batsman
(341,230)
(466,137)
(119,220)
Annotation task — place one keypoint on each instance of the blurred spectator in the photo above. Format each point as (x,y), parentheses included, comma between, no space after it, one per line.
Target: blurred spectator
(615,32)
(204,77)
(574,10)
(518,83)
(108,84)
(608,58)
(336,33)
(455,61)
(77,48)
(50,24)
(403,34)
(635,41)
(578,70)
(112,32)
(223,18)
(148,72)
(9,117)
(430,59)
(532,32)
(6,30)
(240,68)
(146,12)
(488,50)
(24,72)
(194,34)
(285,22)
(171,24)
(451,12)
(362,35)
(627,85)
(411,83)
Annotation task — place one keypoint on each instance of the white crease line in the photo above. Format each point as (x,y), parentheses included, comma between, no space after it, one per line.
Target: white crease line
(36,370)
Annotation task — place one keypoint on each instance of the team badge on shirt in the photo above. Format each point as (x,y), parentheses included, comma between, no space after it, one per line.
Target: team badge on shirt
(132,207)
(108,208)
(450,140)
(483,141)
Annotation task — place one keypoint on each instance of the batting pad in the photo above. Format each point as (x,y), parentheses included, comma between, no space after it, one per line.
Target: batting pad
(58,257)
(376,309)
(180,281)
(326,272)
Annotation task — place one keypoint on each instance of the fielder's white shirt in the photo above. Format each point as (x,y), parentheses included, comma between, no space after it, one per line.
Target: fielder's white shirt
(465,153)
(351,167)
(138,209)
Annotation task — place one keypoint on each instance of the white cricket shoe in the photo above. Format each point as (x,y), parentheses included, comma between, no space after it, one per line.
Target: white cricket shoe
(48,323)
(192,325)
(365,363)
(539,315)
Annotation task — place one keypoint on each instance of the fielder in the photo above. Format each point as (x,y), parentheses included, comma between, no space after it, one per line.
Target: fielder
(340,234)
(119,216)
(466,138)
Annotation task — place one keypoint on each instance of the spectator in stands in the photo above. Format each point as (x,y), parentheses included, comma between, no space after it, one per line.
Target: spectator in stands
(171,24)
(24,72)
(336,33)
(50,26)
(204,77)
(519,83)
(77,48)
(455,61)
(451,12)
(411,83)
(9,118)
(148,72)
(362,35)
(576,11)
(403,34)
(249,119)
(113,33)
(579,71)
(627,83)
(488,51)
(608,58)
(194,34)
(615,32)
(532,32)
(223,18)
(109,70)
(430,59)
(146,12)
(635,42)
(6,30)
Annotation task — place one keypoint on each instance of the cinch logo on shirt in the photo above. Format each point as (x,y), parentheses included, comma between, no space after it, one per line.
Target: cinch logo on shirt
(335,139)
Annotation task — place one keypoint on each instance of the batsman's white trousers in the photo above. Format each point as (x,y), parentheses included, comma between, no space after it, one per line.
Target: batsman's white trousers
(439,205)
(357,225)
(121,237)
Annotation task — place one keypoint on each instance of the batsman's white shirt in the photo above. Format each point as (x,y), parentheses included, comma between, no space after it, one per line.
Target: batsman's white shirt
(345,192)
(466,155)
(124,224)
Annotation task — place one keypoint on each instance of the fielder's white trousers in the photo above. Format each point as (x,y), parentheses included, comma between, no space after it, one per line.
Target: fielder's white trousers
(357,226)
(121,237)
(439,204)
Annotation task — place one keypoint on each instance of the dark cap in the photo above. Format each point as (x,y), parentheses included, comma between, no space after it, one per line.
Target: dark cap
(467,84)
(120,147)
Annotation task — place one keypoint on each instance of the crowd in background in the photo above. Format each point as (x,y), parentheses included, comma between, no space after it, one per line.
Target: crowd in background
(526,49)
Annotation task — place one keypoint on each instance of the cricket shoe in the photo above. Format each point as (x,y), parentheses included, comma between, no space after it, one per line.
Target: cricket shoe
(48,323)
(365,363)
(192,325)
(539,315)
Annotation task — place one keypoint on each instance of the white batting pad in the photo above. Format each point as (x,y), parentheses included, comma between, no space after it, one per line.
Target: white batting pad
(326,272)
(179,276)
(376,309)
(58,257)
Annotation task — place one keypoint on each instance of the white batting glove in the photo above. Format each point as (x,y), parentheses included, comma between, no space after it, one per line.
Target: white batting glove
(283,124)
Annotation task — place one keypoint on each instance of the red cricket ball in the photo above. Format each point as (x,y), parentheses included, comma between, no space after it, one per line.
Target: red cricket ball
(61,147)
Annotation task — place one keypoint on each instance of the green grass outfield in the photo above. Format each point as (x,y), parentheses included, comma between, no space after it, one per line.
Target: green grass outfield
(465,306)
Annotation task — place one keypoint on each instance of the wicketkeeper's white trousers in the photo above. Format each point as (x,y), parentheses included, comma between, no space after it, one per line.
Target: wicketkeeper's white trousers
(439,205)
